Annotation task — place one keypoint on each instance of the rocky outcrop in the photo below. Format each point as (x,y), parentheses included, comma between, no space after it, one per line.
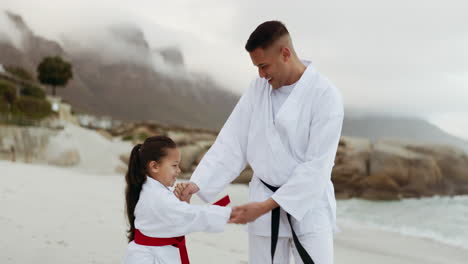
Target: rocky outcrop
(193,144)
(381,170)
(351,165)
(35,145)
(390,169)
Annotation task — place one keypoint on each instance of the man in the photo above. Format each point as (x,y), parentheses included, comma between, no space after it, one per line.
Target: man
(287,127)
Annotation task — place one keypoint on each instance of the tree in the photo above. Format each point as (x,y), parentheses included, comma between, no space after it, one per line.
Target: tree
(19,72)
(32,107)
(33,91)
(7,94)
(54,71)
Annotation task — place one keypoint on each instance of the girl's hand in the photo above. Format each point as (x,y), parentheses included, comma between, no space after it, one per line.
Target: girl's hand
(178,191)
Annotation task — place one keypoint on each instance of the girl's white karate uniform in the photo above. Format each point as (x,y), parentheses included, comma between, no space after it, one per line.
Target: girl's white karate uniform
(160,214)
(294,149)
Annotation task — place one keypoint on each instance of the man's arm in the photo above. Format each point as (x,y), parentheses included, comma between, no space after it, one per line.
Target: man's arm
(226,159)
(251,211)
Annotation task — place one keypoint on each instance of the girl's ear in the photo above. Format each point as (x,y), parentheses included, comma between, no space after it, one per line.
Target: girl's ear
(153,166)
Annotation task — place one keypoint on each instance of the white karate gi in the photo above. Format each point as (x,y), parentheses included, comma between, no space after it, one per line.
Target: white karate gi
(295,150)
(160,214)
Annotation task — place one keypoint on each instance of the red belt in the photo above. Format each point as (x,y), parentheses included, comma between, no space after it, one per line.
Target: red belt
(178,242)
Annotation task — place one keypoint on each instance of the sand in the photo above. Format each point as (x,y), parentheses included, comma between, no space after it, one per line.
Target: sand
(60,215)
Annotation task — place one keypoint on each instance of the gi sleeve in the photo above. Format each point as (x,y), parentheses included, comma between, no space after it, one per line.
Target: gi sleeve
(183,218)
(226,159)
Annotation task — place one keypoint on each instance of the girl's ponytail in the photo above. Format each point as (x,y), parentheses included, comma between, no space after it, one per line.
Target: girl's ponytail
(135,178)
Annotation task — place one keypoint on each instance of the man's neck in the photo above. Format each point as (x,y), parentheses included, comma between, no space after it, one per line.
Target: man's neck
(297,70)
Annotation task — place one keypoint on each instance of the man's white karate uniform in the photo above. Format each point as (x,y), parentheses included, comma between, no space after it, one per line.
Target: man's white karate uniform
(293,147)
(160,214)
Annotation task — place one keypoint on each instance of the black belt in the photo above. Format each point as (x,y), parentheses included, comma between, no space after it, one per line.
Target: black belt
(275,221)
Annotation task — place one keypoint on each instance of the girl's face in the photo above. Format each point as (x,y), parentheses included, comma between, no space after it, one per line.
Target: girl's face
(167,169)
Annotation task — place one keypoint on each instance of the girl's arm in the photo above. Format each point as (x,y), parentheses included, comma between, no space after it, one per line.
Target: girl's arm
(179,218)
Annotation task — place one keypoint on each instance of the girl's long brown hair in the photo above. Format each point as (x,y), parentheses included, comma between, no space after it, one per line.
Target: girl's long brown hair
(154,148)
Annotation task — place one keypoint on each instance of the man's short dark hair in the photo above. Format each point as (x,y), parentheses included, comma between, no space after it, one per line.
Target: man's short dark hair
(265,35)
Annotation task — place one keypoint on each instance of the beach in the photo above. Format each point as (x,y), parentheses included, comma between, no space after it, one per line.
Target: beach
(61,215)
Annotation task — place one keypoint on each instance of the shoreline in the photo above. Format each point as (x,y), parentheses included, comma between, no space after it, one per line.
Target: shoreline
(369,245)
(59,215)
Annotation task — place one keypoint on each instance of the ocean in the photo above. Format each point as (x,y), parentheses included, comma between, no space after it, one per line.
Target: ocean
(443,219)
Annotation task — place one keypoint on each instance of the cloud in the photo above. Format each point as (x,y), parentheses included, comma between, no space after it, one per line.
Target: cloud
(396,56)
(9,33)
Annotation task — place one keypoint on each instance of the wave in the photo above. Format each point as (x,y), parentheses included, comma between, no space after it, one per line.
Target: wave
(442,219)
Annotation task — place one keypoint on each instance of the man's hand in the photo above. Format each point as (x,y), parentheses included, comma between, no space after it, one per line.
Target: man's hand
(185,190)
(249,212)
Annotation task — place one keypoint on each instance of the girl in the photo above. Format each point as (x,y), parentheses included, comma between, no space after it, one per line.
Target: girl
(158,220)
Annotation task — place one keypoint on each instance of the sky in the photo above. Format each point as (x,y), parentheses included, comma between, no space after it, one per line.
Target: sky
(407,57)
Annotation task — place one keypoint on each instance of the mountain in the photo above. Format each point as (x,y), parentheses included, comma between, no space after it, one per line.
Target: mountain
(126,89)
(411,129)
(131,90)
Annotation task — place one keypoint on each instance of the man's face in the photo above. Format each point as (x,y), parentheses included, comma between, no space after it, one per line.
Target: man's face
(271,64)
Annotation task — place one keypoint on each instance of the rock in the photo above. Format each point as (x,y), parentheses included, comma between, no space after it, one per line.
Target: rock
(105,134)
(245,176)
(140,133)
(406,167)
(66,158)
(180,138)
(25,144)
(343,195)
(120,169)
(453,163)
(125,158)
(190,153)
(185,176)
(381,182)
(351,165)
(200,156)
(379,195)
(206,146)
(392,169)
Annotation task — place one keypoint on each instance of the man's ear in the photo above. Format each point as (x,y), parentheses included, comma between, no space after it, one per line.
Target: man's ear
(285,53)
(153,166)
